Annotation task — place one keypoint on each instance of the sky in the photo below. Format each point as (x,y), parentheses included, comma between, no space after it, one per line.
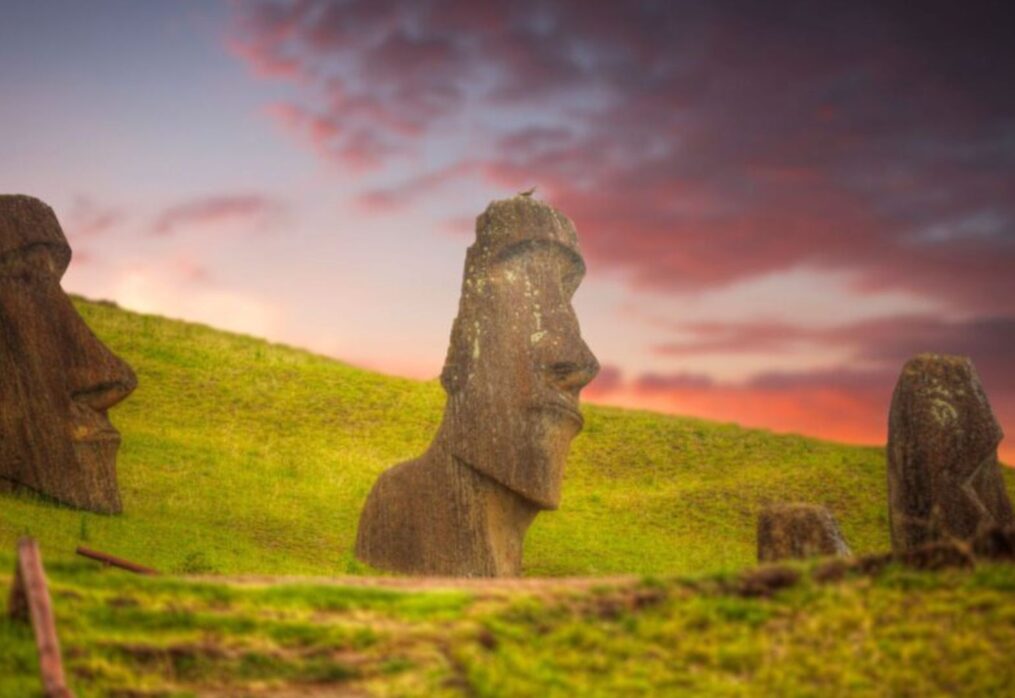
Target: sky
(779,202)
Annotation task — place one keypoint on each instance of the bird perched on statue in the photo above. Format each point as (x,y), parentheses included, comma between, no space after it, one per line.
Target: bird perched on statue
(530,192)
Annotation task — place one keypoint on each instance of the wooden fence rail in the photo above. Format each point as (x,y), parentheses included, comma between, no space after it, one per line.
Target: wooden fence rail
(29,603)
(107,559)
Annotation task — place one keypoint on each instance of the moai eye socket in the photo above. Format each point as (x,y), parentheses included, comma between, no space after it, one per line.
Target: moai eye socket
(32,260)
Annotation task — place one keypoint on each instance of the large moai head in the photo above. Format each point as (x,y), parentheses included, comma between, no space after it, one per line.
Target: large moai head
(517,362)
(57,380)
(943,477)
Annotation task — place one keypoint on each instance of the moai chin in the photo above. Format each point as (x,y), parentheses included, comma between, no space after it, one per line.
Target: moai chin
(943,478)
(57,380)
(515,367)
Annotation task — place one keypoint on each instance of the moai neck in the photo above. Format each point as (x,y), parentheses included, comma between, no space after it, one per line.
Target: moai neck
(437,515)
(493,519)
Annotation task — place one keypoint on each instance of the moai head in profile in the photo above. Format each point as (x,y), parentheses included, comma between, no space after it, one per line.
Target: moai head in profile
(943,478)
(56,378)
(514,370)
(798,531)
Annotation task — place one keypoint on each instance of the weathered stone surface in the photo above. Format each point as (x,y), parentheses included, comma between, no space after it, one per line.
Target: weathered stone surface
(57,380)
(995,543)
(766,581)
(798,531)
(936,555)
(943,477)
(514,370)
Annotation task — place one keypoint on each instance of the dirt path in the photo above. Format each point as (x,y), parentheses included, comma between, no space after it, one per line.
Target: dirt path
(483,585)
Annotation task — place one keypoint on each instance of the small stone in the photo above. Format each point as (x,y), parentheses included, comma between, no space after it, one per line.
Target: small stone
(514,370)
(944,481)
(995,543)
(57,380)
(937,555)
(767,580)
(798,531)
(832,570)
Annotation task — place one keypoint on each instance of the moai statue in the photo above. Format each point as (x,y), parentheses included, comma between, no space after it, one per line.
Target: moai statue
(514,369)
(798,531)
(57,380)
(943,478)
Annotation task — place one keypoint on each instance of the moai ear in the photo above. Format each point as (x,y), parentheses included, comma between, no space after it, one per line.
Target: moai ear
(456,365)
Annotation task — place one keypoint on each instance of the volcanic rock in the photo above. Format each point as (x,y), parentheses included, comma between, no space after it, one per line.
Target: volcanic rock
(57,380)
(944,481)
(798,531)
(514,370)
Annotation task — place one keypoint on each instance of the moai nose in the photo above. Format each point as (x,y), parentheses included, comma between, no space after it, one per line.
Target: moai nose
(574,373)
(98,378)
(110,386)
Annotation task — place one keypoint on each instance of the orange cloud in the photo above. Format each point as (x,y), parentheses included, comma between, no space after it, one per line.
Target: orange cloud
(838,413)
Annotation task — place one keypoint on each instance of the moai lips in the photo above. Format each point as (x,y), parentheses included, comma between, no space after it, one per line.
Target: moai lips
(944,481)
(514,371)
(57,380)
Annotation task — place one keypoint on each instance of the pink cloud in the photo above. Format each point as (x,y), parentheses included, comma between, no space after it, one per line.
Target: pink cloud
(320,131)
(849,401)
(699,145)
(459,226)
(841,404)
(654,382)
(253,208)
(695,145)
(88,219)
(263,62)
(884,343)
(409,191)
(609,379)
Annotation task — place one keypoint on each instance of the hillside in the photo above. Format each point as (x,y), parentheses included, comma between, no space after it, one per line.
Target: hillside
(897,633)
(244,457)
(240,456)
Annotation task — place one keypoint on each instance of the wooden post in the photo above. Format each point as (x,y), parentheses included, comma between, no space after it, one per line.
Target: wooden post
(108,559)
(29,602)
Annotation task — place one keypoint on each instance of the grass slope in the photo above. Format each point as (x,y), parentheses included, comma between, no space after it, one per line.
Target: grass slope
(900,633)
(242,456)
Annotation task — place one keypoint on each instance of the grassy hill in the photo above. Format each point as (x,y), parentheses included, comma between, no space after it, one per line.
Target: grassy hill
(243,456)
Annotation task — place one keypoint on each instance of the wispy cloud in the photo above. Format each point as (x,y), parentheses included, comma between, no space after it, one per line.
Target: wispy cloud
(89,219)
(695,144)
(699,146)
(253,209)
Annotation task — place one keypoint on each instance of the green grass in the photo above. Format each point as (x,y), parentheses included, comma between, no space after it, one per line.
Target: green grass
(243,456)
(901,633)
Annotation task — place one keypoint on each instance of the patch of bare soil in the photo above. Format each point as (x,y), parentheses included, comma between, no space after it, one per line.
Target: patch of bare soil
(482,586)
(288,691)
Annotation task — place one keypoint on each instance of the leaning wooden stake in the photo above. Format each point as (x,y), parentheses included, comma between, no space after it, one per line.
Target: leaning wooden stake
(108,559)
(29,603)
